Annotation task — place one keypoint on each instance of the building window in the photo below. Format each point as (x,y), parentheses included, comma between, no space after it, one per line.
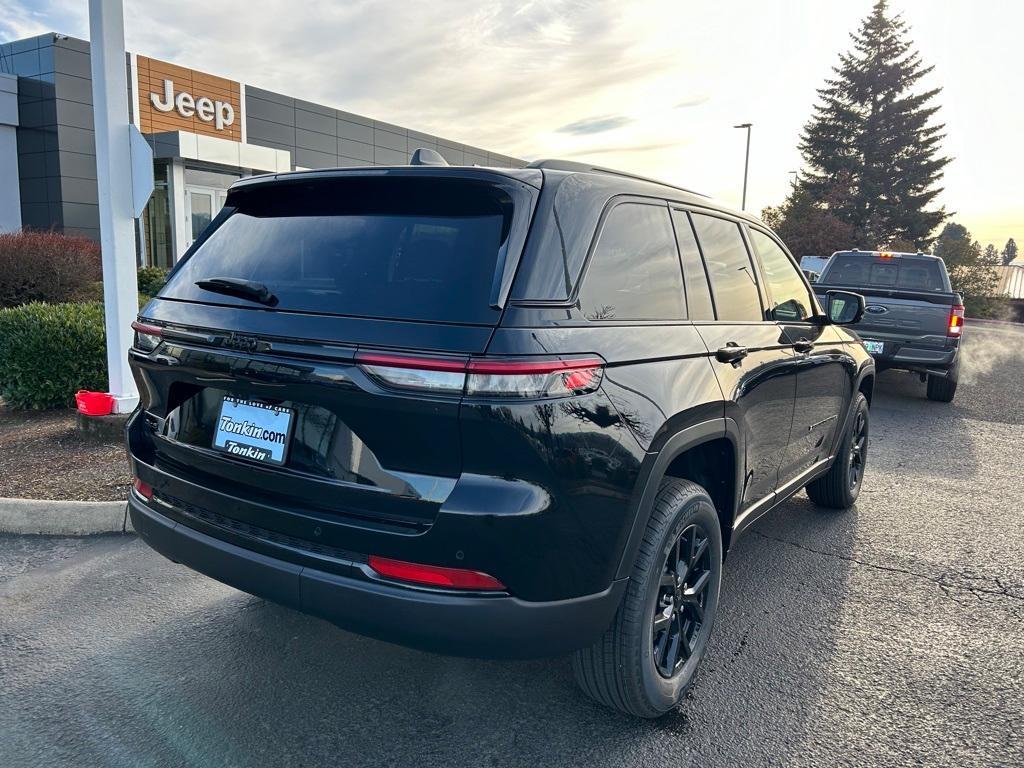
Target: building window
(157,221)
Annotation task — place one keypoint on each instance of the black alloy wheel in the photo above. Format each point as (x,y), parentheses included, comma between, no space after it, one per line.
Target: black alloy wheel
(858,450)
(682,597)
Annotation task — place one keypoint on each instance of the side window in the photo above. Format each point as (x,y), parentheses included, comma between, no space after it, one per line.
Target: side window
(790,300)
(729,267)
(698,294)
(634,270)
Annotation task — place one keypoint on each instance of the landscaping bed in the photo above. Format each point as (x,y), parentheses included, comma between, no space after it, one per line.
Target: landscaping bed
(44,456)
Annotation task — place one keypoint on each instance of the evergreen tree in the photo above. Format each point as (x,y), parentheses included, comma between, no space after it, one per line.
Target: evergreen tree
(808,229)
(969,272)
(871,147)
(992,256)
(1009,251)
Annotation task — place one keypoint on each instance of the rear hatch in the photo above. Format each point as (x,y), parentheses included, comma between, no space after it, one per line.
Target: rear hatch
(254,360)
(907,297)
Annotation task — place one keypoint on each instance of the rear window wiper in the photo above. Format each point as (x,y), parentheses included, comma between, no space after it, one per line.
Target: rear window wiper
(244,289)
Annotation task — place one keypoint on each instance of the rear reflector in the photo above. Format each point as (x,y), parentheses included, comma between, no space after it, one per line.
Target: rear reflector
(956,321)
(433,575)
(145,490)
(485,377)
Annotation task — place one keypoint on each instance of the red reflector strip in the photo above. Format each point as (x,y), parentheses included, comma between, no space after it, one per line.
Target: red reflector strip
(455,365)
(145,490)
(433,575)
(149,330)
(500,367)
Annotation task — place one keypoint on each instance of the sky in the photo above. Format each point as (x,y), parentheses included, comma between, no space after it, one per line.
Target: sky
(645,86)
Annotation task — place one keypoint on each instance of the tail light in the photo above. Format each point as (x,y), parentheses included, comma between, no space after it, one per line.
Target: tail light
(144,489)
(530,378)
(434,575)
(956,321)
(147,337)
(486,377)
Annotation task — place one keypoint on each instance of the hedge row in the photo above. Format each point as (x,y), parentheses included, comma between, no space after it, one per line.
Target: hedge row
(50,351)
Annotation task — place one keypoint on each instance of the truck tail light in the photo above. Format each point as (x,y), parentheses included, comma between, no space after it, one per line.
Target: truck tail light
(434,575)
(486,377)
(956,321)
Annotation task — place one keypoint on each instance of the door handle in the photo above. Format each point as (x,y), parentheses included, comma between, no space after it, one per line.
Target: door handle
(803,345)
(731,353)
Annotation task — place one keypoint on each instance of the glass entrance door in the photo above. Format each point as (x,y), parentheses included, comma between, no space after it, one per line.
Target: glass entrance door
(201,205)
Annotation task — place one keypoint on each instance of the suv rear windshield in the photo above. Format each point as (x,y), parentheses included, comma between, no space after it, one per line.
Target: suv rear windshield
(378,247)
(870,271)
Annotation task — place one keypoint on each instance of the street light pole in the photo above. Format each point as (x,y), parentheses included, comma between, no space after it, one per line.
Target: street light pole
(746,164)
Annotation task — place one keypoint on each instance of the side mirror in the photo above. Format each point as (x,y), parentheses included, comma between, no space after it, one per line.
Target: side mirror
(844,307)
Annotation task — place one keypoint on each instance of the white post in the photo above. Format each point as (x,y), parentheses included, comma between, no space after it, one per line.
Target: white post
(114,176)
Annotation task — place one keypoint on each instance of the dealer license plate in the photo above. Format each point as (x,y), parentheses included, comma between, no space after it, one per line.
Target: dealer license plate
(254,431)
(874,347)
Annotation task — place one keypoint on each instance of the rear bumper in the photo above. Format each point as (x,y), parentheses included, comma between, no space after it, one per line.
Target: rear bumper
(489,626)
(906,356)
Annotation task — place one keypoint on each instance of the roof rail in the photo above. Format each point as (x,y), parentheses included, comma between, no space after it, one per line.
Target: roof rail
(569,165)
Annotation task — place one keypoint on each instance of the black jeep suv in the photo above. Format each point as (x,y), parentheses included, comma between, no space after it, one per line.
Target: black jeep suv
(491,412)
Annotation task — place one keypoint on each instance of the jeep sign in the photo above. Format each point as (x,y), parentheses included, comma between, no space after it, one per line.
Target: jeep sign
(220,113)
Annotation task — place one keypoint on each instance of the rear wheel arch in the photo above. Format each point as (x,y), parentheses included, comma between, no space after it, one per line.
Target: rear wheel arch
(710,450)
(712,465)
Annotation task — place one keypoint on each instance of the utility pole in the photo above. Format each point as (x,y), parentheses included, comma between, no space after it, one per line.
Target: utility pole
(746,164)
(114,178)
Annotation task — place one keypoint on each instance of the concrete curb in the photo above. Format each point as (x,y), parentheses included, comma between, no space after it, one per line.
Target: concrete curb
(63,518)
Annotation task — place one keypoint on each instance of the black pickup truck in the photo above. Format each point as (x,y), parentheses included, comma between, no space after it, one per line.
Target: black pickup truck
(913,320)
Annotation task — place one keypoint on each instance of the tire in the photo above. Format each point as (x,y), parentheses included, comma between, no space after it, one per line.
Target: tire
(839,487)
(621,670)
(941,388)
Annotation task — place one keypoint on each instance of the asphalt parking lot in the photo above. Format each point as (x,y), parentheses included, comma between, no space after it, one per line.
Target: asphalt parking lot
(892,634)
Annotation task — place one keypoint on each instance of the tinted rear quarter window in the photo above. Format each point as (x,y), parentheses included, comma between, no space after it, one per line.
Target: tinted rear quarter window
(634,270)
(396,248)
(729,267)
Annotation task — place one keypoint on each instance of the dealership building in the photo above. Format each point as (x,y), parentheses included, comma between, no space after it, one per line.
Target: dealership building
(206,131)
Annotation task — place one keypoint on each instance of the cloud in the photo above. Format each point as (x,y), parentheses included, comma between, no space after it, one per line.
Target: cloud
(21,20)
(592,125)
(487,72)
(625,149)
(694,101)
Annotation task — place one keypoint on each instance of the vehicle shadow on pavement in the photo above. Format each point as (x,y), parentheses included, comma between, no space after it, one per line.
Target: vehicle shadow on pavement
(228,679)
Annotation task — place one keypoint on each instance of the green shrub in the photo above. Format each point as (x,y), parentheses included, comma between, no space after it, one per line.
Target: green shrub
(151,280)
(50,351)
(46,266)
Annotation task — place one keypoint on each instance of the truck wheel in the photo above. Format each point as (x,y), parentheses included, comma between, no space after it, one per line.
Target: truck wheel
(941,388)
(646,659)
(839,487)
